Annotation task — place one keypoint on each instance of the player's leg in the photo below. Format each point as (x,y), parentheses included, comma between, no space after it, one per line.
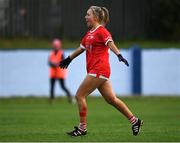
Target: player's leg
(106,90)
(89,84)
(52,83)
(62,84)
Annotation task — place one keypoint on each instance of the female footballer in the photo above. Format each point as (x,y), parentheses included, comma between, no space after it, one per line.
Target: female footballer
(97,43)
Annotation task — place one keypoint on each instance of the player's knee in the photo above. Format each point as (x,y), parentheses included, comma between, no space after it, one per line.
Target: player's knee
(78,97)
(111,100)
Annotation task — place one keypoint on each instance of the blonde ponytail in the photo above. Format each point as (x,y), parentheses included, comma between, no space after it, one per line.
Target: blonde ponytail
(101,13)
(105,15)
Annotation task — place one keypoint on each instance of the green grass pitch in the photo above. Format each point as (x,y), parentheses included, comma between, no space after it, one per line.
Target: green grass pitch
(34,119)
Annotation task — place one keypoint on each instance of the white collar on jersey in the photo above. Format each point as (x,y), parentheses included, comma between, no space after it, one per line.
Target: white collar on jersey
(91,31)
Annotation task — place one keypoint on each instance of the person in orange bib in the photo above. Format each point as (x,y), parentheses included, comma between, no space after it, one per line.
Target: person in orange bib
(55,72)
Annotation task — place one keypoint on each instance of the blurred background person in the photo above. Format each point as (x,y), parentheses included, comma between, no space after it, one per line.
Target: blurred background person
(56,73)
(20,21)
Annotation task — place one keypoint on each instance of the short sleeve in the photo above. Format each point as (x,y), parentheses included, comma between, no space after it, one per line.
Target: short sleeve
(82,44)
(106,36)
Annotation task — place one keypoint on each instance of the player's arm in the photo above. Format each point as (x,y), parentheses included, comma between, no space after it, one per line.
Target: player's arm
(116,51)
(76,53)
(65,63)
(113,47)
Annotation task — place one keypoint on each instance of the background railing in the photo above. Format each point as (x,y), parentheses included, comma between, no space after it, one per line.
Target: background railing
(137,19)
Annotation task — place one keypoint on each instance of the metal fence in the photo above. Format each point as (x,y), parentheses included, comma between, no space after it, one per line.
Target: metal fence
(52,18)
(65,18)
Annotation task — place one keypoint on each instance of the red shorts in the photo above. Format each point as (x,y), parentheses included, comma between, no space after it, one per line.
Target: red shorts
(99,74)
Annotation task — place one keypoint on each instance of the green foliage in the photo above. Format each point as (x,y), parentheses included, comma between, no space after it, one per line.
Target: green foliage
(165,20)
(32,43)
(34,119)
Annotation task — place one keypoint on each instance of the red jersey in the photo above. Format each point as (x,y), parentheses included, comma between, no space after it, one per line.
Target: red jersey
(56,72)
(97,53)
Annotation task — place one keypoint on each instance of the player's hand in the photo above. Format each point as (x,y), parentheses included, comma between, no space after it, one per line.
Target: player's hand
(121,59)
(65,63)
